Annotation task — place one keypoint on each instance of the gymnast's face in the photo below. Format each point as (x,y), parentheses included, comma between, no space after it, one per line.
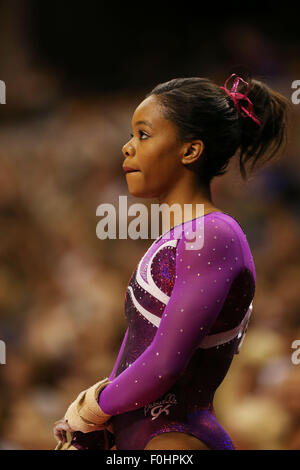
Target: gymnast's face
(154,150)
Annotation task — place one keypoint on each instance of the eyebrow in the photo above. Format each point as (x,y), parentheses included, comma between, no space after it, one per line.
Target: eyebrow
(144,122)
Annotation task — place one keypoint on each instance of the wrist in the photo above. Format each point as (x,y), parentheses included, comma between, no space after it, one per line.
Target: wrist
(85,413)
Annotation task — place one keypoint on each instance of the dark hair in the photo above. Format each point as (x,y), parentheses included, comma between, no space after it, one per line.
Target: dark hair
(202,110)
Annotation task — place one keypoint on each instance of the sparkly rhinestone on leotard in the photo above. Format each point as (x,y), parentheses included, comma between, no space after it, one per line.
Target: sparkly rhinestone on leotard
(187,304)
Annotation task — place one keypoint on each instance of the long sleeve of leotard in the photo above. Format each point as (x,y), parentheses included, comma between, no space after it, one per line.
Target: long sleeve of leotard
(202,282)
(112,375)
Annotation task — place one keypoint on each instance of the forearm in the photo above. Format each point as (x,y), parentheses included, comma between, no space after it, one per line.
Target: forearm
(149,377)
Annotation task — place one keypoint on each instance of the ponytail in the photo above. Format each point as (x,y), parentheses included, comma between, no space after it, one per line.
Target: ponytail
(261,143)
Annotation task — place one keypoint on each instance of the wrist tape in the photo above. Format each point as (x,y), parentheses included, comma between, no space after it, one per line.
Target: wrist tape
(85,414)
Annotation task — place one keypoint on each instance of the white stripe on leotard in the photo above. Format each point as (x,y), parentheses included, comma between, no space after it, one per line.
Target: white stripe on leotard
(150,285)
(210,341)
(150,317)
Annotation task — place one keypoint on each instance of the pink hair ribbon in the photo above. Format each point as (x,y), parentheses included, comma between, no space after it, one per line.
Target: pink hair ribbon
(237,98)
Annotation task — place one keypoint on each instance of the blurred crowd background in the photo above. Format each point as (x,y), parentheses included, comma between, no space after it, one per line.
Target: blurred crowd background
(74,74)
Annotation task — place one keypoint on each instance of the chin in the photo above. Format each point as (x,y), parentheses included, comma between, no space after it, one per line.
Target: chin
(137,193)
(142,192)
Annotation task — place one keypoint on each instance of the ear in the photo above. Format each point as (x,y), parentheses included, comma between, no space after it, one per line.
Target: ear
(192,151)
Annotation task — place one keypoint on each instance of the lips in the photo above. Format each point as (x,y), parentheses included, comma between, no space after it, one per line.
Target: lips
(129,170)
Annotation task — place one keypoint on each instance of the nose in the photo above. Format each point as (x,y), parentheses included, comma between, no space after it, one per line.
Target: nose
(128,149)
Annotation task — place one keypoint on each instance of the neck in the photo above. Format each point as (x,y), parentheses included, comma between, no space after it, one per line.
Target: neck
(186,191)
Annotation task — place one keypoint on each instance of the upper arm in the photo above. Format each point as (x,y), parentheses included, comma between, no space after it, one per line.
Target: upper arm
(203,280)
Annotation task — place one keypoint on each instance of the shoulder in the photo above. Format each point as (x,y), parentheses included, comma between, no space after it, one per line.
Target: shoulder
(228,224)
(213,226)
(215,237)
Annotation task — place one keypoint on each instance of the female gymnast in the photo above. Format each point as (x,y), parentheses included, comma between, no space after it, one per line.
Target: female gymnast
(187,309)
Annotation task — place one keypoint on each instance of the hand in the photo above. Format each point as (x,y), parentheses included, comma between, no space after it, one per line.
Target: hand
(60,430)
(109,426)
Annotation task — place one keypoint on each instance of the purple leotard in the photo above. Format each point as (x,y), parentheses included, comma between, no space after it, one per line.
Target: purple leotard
(188,304)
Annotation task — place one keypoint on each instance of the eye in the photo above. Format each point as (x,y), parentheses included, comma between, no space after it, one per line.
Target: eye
(142,135)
